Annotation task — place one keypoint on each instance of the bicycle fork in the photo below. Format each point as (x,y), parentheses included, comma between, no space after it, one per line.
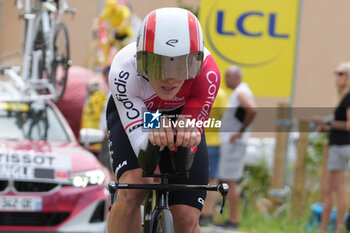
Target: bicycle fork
(162,217)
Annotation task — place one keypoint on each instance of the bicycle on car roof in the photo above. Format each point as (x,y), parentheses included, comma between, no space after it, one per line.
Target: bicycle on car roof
(46,54)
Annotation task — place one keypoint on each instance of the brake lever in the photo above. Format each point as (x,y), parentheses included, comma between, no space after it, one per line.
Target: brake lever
(112,188)
(223,189)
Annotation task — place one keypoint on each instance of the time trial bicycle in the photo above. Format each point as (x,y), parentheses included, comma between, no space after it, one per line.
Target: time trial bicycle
(157,217)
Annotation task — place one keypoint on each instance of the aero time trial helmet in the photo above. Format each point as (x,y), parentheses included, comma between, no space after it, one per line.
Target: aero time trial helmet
(170,45)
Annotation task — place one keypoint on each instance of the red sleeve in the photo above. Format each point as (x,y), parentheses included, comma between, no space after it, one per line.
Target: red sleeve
(203,92)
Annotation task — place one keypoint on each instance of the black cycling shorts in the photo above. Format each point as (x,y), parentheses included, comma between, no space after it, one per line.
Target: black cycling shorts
(123,159)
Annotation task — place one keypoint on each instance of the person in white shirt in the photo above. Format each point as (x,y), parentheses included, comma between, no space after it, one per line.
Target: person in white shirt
(234,135)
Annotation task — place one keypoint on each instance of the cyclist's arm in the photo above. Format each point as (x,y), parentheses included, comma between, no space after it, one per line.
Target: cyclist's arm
(203,92)
(198,106)
(125,88)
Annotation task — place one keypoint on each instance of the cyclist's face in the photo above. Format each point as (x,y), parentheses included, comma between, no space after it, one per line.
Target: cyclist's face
(166,89)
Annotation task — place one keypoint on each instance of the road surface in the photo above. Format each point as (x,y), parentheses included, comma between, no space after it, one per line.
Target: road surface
(212,229)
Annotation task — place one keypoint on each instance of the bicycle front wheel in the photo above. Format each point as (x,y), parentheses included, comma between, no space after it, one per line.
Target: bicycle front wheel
(162,222)
(61,60)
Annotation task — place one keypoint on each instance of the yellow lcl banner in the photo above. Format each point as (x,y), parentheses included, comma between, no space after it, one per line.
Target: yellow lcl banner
(258,35)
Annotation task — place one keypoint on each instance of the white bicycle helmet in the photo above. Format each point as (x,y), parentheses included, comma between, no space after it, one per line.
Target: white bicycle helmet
(170,45)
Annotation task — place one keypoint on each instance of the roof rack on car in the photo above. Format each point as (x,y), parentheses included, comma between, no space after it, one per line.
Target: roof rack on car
(13,88)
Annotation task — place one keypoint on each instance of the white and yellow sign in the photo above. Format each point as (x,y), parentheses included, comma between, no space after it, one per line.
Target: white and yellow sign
(259,36)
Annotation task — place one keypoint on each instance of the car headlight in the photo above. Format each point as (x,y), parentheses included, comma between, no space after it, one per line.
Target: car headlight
(83,179)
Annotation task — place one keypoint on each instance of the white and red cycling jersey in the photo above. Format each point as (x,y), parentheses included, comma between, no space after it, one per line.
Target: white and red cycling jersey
(133,94)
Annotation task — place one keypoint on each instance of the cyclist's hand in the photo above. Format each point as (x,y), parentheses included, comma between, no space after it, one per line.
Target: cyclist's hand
(163,136)
(186,136)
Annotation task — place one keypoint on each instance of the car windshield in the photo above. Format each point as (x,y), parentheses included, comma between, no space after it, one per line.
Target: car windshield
(33,121)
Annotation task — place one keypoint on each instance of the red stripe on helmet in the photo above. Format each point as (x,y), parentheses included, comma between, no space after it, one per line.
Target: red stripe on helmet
(144,36)
(194,33)
(148,40)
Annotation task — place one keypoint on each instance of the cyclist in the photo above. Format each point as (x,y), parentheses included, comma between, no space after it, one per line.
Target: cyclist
(167,69)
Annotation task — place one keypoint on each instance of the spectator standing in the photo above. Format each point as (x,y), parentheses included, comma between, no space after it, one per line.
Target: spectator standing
(234,135)
(339,151)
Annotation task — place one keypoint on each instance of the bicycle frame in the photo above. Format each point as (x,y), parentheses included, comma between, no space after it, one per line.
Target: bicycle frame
(32,26)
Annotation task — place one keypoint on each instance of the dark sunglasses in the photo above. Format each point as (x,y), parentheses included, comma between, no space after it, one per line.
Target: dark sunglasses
(340,73)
